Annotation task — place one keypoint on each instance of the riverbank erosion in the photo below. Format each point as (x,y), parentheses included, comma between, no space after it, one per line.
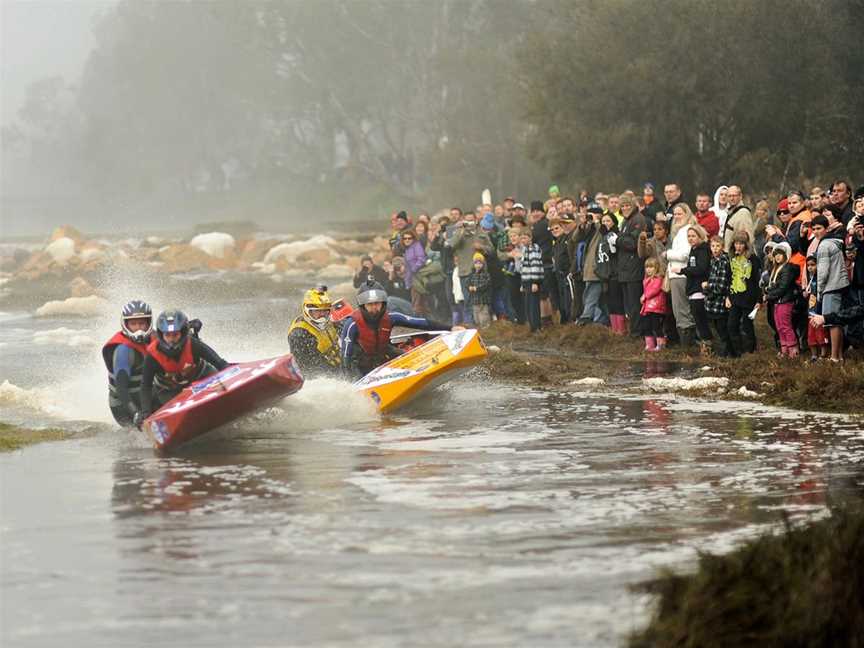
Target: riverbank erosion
(799,588)
(593,355)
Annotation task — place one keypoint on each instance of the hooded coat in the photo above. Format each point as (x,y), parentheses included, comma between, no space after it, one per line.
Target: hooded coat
(719,212)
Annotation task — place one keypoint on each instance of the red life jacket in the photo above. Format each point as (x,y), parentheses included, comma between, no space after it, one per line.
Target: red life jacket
(179,370)
(374,342)
(116,340)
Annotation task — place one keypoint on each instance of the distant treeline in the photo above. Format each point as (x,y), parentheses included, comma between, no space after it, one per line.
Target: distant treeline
(389,101)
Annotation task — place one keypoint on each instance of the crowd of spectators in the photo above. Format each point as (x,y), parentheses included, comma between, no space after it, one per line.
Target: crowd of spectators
(645,266)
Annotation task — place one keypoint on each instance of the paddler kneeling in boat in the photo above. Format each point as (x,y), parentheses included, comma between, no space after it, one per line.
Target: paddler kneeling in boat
(314,338)
(366,334)
(175,359)
(124,356)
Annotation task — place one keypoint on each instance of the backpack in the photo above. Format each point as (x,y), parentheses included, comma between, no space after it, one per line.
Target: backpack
(427,278)
(579,252)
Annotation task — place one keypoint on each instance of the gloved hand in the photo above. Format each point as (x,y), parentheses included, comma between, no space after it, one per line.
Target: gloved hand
(138,419)
(195,326)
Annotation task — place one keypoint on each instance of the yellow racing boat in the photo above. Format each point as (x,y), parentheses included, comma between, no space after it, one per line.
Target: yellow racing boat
(433,363)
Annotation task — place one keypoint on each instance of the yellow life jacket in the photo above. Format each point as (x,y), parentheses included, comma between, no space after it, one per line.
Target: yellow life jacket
(328,339)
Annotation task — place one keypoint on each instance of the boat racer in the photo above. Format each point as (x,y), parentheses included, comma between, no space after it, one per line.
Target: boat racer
(365,340)
(176,357)
(314,338)
(124,355)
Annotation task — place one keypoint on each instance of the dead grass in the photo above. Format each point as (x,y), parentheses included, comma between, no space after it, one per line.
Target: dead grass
(801,588)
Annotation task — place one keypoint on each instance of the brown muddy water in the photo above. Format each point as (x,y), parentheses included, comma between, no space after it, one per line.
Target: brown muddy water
(487,515)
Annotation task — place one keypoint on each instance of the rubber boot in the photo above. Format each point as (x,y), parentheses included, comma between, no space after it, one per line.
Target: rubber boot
(619,324)
(686,337)
(661,344)
(650,343)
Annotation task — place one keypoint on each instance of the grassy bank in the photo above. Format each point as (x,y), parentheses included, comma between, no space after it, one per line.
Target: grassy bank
(13,437)
(557,355)
(801,588)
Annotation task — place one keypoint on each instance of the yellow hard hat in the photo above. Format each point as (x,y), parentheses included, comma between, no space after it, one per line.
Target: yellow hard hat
(318,300)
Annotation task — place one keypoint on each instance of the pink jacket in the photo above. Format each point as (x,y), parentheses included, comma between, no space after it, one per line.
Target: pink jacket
(655,298)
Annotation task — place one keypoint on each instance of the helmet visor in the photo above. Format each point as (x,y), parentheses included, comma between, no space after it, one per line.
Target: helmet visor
(319,314)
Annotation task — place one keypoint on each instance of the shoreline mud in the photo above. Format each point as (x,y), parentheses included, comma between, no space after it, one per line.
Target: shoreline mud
(560,356)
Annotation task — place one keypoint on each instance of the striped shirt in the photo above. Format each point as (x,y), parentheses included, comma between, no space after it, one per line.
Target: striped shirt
(532,265)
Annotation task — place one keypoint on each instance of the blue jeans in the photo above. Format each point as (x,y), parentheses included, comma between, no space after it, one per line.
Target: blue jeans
(501,302)
(469,316)
(592,298)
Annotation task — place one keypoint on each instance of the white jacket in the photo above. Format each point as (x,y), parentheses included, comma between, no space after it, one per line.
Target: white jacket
(677,254)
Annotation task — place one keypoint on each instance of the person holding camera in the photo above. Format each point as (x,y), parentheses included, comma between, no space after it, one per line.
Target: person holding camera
(466,240)
(368,270)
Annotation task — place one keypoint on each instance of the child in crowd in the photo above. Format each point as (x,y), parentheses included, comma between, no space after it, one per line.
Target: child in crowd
(480,289)
(716,290)
(654,306)
(817,337)
(458,306)
(532,278)
(744,294)
(513,272)
(782,291)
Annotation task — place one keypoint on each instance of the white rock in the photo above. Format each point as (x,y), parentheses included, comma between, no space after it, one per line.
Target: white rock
(588,382)
(683,384)
(61,250)
(92,254)
(216,244)
(77,306)
(335,271)
(493,348)
(746,393)
(264,268)
(290,251)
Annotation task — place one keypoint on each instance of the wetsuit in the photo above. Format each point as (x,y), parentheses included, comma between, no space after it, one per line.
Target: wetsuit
(124,360)
(316,350)
(165,376)
(366,344)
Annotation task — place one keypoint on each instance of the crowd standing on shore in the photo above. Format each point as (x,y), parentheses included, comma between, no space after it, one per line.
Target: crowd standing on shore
(661,269)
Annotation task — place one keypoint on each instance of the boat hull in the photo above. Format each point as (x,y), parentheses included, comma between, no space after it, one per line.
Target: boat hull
(221,398)
(398,382)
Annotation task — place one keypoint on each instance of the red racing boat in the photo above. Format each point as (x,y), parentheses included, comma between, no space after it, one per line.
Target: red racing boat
(221,398)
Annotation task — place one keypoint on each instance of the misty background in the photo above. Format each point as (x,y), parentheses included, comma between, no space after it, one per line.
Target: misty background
(131,115)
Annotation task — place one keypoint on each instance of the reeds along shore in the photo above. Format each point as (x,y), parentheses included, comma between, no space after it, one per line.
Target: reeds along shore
(804,587)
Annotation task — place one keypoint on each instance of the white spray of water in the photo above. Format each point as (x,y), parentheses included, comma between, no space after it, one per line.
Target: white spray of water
(73,386)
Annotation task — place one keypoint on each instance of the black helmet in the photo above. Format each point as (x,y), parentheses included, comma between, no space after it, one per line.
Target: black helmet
(137,309)
(172,321)
(370,293)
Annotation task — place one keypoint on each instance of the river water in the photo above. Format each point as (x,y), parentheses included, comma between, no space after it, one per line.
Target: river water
(487,515)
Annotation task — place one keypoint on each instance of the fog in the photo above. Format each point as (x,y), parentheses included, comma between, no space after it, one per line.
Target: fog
(42,39)
(133,116)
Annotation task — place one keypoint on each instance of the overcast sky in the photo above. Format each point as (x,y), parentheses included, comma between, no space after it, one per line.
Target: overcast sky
(42,38)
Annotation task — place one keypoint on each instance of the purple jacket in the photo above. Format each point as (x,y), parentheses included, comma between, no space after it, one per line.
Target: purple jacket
(415,258)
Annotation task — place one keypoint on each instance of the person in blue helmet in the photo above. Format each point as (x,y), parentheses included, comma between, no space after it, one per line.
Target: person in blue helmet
(176,357)
(124,354)
(365,340)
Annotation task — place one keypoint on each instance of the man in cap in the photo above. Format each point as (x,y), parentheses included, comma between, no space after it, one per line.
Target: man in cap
(652,207)
(400,222)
